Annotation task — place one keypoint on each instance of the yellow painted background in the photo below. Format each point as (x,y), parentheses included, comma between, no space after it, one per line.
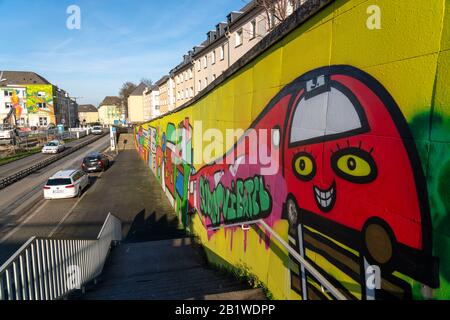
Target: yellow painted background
(410,57)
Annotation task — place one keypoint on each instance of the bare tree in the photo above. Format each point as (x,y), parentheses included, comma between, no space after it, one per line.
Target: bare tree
(278,10)
(148,82)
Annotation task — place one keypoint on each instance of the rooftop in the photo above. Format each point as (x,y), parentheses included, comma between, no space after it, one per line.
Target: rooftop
(87,108)
(139,90)
(111,101)
(21,77)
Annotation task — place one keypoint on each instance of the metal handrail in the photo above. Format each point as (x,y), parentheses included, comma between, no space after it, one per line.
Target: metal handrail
(50,269)
(316,274)
(310,268)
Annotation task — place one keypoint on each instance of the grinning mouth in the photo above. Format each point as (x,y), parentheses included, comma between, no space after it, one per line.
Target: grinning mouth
(325,199)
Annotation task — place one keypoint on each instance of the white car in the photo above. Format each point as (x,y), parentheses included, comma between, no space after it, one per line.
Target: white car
(66,184)
(54,146)
(97,130)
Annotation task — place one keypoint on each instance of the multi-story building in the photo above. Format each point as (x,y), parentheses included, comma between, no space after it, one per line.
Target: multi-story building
(151,102)
(136,104)
(183,76)
(13,108)
(87,114)
(166,88)
(36,102)
(223,47)
(110,111)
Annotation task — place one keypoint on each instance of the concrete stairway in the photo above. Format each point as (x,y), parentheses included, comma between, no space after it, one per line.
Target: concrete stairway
(165,270)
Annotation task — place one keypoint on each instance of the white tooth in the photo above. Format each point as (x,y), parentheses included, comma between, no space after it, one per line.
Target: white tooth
(323,203)
(328,195)
(328,203)
(317,191)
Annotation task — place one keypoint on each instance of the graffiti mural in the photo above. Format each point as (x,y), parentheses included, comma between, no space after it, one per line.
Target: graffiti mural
(351,165)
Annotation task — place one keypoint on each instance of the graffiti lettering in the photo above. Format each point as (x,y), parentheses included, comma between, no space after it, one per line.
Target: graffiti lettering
(246,200)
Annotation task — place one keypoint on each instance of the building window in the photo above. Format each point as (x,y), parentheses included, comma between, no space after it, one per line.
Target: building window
(8,105)
(41,105)
(199,85)
(205,61)
(262,27)
(190,73)
(214,76)
(8,93)
(156,107)
(43,121)
(206,82)
(213,58)
(222,52)
(192,92)
(253,29)
(198,65)
(239,39)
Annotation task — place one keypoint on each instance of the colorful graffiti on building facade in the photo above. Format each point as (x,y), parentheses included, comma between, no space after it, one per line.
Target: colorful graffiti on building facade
(361,167)
(40,101)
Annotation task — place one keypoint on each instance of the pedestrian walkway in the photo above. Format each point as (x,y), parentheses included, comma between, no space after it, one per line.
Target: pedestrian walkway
(155,259)
(165,270)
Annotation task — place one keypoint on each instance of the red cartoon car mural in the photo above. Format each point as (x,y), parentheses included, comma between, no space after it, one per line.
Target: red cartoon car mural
(348,167)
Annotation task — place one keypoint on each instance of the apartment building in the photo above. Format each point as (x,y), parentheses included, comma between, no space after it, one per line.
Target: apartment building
(224,45)
(87,114)
(136,104)
(110,111)
(13,101)
(151,102)
(183,76)
(228,43)
(36,102)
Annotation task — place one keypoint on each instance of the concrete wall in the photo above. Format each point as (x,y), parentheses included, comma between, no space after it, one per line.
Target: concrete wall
(357,125)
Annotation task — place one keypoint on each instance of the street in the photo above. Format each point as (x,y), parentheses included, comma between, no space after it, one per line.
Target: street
(23,210)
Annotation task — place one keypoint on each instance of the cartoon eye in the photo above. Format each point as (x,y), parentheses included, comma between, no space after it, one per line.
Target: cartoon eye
(354,165)
(304,166)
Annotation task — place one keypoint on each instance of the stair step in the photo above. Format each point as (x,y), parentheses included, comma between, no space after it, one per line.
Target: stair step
(168,269)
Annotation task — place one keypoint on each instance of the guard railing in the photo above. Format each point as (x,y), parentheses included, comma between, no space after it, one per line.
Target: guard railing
(6,181)
(50,269)
(326,285)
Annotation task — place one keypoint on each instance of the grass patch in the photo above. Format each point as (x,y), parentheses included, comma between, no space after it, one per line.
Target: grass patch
(19,155)
(243,274)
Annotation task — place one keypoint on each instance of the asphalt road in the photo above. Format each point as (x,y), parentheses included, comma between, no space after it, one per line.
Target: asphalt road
(10,168)
(25,213)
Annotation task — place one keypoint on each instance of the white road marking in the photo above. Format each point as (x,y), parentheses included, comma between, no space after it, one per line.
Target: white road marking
(23,222)
(9,234)
(70,211)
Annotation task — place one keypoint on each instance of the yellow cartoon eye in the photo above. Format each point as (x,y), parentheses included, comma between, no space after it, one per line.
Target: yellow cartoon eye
(355,165)
(304,166)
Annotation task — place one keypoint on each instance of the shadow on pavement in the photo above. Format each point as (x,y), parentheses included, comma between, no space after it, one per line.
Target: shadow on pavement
(152,229)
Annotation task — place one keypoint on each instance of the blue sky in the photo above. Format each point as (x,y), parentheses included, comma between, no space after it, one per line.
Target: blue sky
(119,40)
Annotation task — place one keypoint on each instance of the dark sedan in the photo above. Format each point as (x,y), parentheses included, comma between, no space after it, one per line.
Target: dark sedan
(95,162)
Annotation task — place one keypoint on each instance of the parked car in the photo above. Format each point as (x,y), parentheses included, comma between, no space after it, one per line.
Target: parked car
(97,130)
(66,184)
(54,146)
(95,162)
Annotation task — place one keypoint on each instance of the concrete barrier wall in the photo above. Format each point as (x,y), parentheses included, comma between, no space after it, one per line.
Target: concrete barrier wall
(349,116)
